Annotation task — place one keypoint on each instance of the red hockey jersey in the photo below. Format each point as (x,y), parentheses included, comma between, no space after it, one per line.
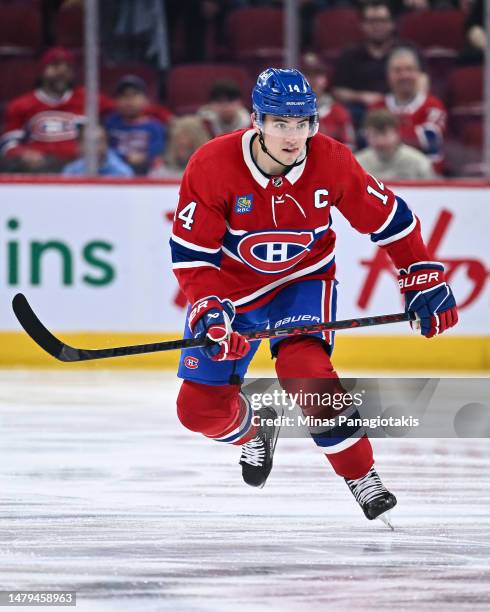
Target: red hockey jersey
(242,235)
(335,121)
(423,124)
(46,124)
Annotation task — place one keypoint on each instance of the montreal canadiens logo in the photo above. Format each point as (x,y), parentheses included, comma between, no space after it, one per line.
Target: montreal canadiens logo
(274,252)
(53,126)
(191,362)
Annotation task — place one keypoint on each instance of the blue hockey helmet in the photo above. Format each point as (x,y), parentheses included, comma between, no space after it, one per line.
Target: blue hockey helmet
(284,93)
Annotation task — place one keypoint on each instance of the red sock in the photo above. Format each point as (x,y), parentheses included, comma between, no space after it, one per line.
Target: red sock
(353,462)
(304,364)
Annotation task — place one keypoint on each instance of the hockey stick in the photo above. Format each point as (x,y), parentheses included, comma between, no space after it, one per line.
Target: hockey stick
(45,339)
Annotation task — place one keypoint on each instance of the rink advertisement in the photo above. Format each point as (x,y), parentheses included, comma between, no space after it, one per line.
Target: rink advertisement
(94,258)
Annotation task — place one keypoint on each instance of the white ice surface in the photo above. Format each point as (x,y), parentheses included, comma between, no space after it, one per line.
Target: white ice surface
(104,492)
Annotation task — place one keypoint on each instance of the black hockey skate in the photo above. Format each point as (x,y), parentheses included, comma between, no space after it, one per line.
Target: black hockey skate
(256,457)
(373,497)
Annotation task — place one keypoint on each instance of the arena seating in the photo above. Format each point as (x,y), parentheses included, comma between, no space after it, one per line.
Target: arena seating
(188,85)
(437,32)
(20,30)
(256,37)
(335,29)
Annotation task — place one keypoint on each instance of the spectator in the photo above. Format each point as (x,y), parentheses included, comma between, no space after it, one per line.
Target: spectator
(422,116)
(360,73)
(401,6)
(386,157)
(109,162)
(307,10)
(41,126)
(200,20)
(187,134)
(225,111)
(135,31)
(335,120)
(476,37)
(137,137)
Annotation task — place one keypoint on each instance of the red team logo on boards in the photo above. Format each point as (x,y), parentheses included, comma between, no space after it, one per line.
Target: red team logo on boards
(475,269)
(274,252)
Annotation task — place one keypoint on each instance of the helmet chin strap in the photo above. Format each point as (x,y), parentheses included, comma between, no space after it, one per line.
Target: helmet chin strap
(266,151)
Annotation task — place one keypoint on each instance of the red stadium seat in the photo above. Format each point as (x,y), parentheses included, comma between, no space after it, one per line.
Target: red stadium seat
(69,27)
(465,99)
(255,36)
(20,29)
(465,90)
(334,30)
(465,153)
(19,75)
(111,74)
(473,135)
(437,32)
(188,85)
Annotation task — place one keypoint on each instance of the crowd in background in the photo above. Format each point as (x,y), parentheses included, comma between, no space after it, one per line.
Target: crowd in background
(380,95)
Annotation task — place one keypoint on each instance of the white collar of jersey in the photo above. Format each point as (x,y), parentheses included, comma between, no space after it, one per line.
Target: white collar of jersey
(293,175)
(410,107)
(42,96)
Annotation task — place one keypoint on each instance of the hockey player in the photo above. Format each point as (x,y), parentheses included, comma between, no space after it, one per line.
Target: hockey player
(252,244)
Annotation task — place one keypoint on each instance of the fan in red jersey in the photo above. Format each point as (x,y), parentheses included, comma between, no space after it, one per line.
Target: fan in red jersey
(422,117)
(335,119)
(252,245)
(42,125)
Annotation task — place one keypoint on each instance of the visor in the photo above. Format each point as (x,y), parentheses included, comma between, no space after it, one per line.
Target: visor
(281,127)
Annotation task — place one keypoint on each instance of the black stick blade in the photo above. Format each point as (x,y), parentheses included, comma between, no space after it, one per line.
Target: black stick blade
(36,330)
(64,352)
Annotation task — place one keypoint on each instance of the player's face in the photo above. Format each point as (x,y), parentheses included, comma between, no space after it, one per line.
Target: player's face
(285,137)
(404,75)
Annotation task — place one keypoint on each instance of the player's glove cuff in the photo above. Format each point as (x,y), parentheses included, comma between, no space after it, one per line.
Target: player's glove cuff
(212,317)
(428,295)
(421,276)
(201,310)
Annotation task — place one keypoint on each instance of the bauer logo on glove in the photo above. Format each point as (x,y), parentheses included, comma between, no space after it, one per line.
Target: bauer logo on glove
(213,317)
(429,296)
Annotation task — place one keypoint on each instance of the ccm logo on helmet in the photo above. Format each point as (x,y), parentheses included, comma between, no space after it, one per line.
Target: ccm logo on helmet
(274,252)
(413,280)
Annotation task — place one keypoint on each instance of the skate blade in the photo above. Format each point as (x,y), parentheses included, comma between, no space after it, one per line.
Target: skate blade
(386,519)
